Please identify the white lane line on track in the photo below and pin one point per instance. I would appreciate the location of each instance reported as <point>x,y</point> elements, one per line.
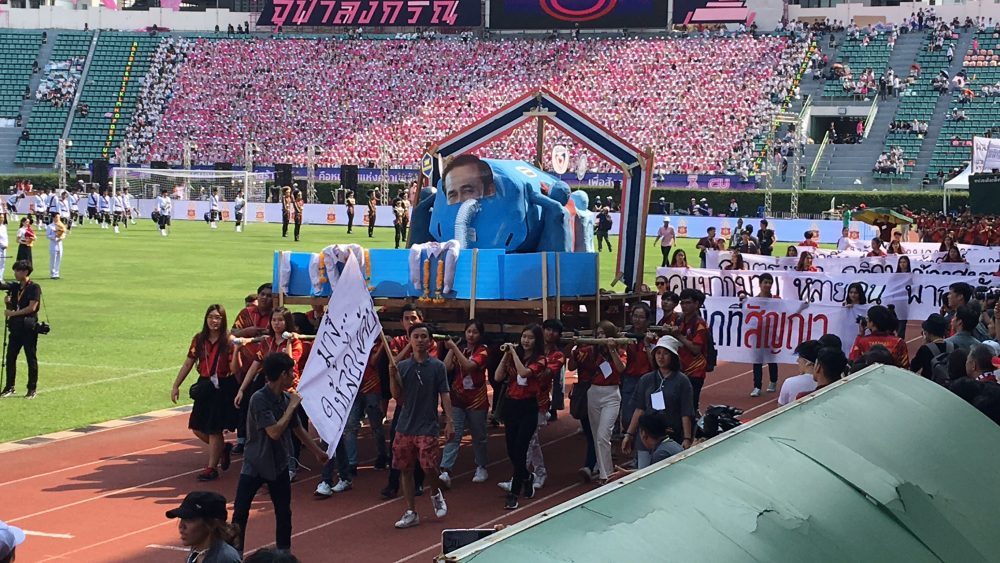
<point>493,521</point>
<point>45,391</point>
<point>48,535</point>
<point>170,547</point>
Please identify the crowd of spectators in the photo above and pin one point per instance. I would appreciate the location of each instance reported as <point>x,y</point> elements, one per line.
<point>156,93</point>
<point>915,127</point>
<point>684,98</point>
<point>893,161</point>
<point>61,79</point>
<point>964,228</point>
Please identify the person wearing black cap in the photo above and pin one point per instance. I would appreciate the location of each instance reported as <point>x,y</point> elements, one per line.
<point>934,329</point>
<point>204,529</point>
<point>803,383</point>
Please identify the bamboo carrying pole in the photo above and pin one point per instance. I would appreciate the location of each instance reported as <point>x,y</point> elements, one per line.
<point>475,276</point>
<point>545,286</point>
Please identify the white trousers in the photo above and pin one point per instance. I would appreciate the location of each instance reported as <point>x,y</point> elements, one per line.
<point>603,403</point>
<point>55,257</point>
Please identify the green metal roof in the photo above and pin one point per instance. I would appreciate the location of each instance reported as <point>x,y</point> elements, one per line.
<point>884,467</point>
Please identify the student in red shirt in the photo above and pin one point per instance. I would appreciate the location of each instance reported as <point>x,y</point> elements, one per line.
<point>521,366</point>
<point>252,321</point>
<point>604,396</point>
<point>692,332</point>
<point>876,248</point>
<point>551,381</point>
<point>213,412</point>
<point>809,240</point>
<point>668,303</point>
<point>638,355</point>
<point>882,323</point>
<point>805,263</point>
<point>469,402</point>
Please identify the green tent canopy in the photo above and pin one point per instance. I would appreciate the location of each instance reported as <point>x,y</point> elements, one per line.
<point>884,466</point>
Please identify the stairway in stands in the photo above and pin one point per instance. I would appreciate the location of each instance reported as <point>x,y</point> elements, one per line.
<point>46,122</point>
<point>112,85</point>
<point>849,166</point>
<point>18,51</point>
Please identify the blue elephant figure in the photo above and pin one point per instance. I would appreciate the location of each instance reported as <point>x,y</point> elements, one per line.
<point>487,203</point>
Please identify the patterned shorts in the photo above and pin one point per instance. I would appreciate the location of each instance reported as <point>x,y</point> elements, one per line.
<point>407,450</point>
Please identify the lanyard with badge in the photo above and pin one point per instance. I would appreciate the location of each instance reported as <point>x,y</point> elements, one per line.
<point>656,399</point>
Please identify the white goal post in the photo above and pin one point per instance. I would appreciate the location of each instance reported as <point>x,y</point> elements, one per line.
<point>192,185</point>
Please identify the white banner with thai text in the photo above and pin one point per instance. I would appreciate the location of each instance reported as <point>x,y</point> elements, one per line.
<point>868,264</point>
<point>914,296</point>
<point>332,374</point>
<point>760,330</point>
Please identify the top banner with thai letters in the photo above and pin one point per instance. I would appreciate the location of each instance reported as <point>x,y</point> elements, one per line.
<point>985,154</point>
<point>585,14</point>
<point>376,13</point>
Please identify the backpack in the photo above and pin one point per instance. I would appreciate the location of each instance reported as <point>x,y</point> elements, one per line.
<point>711,353</point>
<point>939,364</point>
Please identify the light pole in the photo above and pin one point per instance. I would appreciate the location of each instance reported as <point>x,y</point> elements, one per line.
<point>189,148</point>
<point>61,163</point>
<point>312,152</point>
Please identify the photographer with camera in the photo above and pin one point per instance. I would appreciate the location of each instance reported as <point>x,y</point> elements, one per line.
<point>880,329</point>
<point>23,299</point>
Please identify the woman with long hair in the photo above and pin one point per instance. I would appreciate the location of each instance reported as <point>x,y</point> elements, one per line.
<point>214,411</point>
<point>282,321</point>
<point>954,256</point>
<point>469,402</point>
<point>737,263</point>
<point>607,362</point>
<point>903,265</point>
<point>805,263</point>
<point>947,243</point>
<point>25,239</point>
<point>680,259</point>
<point>203,528</point>
<point>855,295</point>
<point>792,252</point>
<point>523,366</point>
<point>895,247</point>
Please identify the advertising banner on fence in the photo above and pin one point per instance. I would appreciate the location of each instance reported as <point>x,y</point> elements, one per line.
<point>375,13</point>
<point>566,14</point>
<point>914,296</point>
<point>332,374</point>
<point>760,330</point>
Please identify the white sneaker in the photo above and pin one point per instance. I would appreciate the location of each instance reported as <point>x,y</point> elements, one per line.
<point>409,520</point>
<point>771,387</point>
<point>505,485</point>
<point>755,392</point>
<point>116,229</point>
<point>343,485</point>
<point>214,226</point>
<point>163,232</point>
<point>239,229</point>
<point>324,489</point>
<point>445,479</point>
<point>481,475</point>
<point>440,507</point>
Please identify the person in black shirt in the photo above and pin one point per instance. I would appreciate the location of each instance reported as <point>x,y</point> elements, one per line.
<point>22,317</point>
<point>765,238</point>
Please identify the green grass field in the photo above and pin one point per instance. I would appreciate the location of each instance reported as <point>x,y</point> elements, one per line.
<point>127,306</point>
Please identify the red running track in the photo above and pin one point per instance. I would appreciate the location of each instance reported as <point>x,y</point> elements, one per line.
<point>102,497</point>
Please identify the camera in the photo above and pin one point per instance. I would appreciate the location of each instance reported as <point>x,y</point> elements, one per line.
<point>861,320</point>
<point>42,328</point>
<point>984,293</point>
<point>9,286</point>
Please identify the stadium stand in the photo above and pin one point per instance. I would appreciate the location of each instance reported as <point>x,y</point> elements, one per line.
<point>18,53</point>
<point>116,73</point>
<point>975,95</point>
<point>353,97</point>
<point>47,121</point>
<point>861,59</point>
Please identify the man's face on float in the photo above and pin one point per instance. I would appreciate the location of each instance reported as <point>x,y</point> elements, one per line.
<point>464,183</point>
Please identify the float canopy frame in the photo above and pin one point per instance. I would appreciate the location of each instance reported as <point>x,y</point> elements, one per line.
<point>635,164</point>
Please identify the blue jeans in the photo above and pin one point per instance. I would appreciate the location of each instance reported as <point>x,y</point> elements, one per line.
<point>369,404</point>
<point>475,421</point>
<point>280,491</point>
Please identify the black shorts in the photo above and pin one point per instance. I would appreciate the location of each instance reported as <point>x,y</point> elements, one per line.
<point>91,213</point>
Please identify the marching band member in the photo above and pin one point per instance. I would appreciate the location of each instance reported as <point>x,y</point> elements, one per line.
<point>118,211</point>
<point>297,206</point>
<point>37,208</point>
<point>239,204</point>
<point>287,210</point>
<point>163,209</point>
<point>214,209</point>
<point>4,217</point>
<point>104,209</point>
<point>52,205</point>
<point>56,232</point>
<point>349,202</point>
<point>25,239</point>
<point>92,201</point>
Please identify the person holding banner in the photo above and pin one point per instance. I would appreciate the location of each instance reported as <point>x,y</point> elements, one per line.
<point>792,252</point>
<point>469,402</point>
<point>680,259</point>
<point>766,282</point>
<point>213,412</point>
<point>882,327</point>
<point>707,243</point>
<point>954,256</point>
<point>808,236</point>
<point>638,362</point>
<point>418,383</point>
<point>876,250</point>
<point>805,263</point>
<point>271,424</point>
<point>844,242</point>
<point>663,390</point>
<point>692,332</point>
<point>736,262</point>
<point>855,295</point>
<point>522,366</point>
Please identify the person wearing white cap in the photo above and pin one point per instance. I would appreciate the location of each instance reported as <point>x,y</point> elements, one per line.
<point>10,538</point>
<point>665,236</point>
<point>667,390</point>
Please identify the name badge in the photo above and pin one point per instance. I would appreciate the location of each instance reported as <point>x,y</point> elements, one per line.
<point>522,381</point>
<point>467,383</point>
<point>658,403</point>
<point>605,369</point>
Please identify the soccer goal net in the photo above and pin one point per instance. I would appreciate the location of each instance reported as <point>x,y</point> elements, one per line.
<point>192,185</point>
